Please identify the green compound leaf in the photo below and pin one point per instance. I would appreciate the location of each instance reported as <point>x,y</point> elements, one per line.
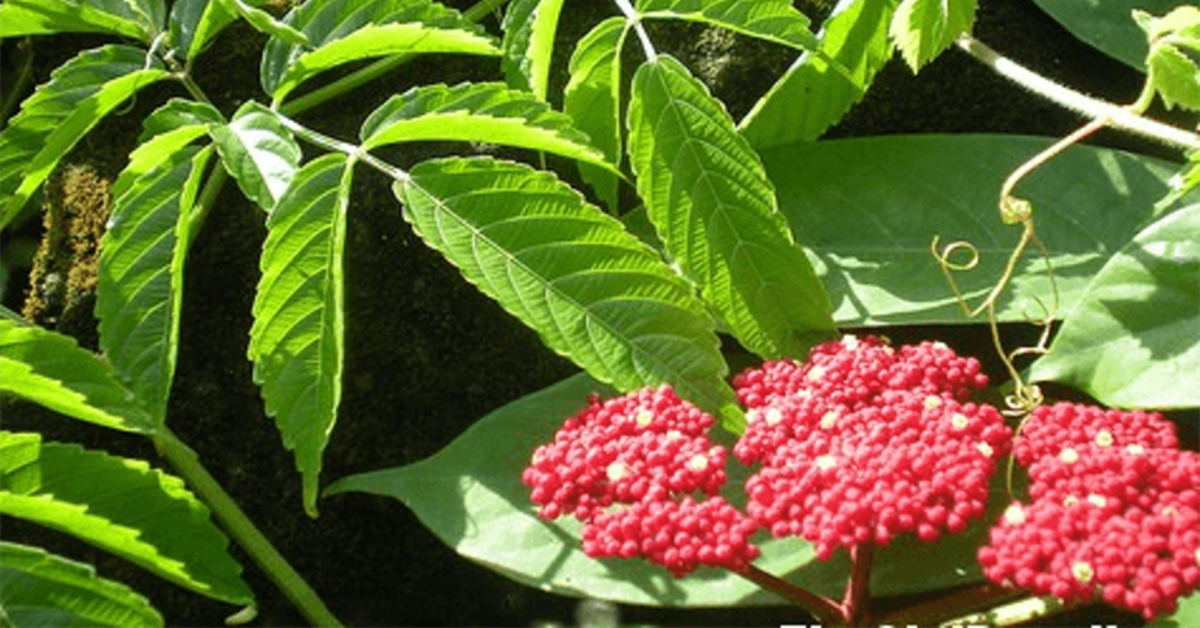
<point>1107,25</point>
<point>1131,339</point>
<point>592,97</point>
<point>259,153</point>
<point>46,17</point>
<point>50,369</point>
<point>122,506</point>
<point>194,23</point>
<point>529,28</point>
<point>870,233</point>
<point>1174,43</point>
<point>478,112</point>
<point>80,92</point>
<point>710,200</point>
<point>42,589</point>
<point>471,496</point>
<point>297,341</point>
<point>772,20</point>
<point>814,95</point>
<point>593,292</point>
<point>141,263</point>
<point>922,29</point>
<point>342,31</point>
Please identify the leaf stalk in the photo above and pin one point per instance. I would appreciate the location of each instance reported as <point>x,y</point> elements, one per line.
<point>635,20</point>
<point>321,95</point>
<point>243,530</point>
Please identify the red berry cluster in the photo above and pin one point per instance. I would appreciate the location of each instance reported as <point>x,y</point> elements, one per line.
<point>647,449</point>
<point>1051,429</point>
<point>854,370</point>
<point>678,535</point>
<point>863,442</point>
<point>1115,511</point>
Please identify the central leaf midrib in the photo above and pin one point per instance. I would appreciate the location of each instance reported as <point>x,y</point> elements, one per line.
<point>721,205</point>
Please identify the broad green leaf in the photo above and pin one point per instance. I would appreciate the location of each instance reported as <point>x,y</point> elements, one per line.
<point>42,589</point>
<point>47,17</point>
<point>177,113</point>
<point>572,273</point>
<point>297,342</point>
<point>869,208</point>
<point>773,20</point>
<point>264,22</point>
<point>1174,37</point>
<point>922,29</point>
<point>122,506</point>
<point>259,153</point>
<point>592,99</point>
<point>529,28</point>
<point>1131,340</point>
<point>710,200</point>
<point>50,369</point>
<point>79,93</point>
<point>194,23</point>
<point>870,232</point>
<point>141,263</point>
<point>1107,25</point>
<point>477,112</point>
<point>1187,615</point>
<point>471,496</point>
<point>352,30</point>
<point>814,95</point>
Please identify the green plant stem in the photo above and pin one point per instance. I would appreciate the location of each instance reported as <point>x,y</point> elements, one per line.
<point>1040,159</point>
<point>207,198</point>
<point>351,150</point>
<point>18,87</point>
<point>1118,117</point>
<point>1019,612</point>
<point>635,20</point>
<point>369,73</point>
<point>239,526</point>
<point>824,609</point>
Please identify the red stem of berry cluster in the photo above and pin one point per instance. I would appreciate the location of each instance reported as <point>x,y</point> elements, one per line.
<point>824,609</point>
<point>853,609</point>
<point>854,604</point>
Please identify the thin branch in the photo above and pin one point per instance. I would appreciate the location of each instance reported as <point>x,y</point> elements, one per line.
<point>1118,117</point>
<point>826,611</point>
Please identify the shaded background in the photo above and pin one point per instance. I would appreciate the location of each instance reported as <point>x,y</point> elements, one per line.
<point>426,354</point>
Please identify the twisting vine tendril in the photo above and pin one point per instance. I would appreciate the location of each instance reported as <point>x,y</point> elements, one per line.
<point>962,256</point>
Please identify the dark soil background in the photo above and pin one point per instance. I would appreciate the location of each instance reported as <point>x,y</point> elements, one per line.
<point>426,353</point>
